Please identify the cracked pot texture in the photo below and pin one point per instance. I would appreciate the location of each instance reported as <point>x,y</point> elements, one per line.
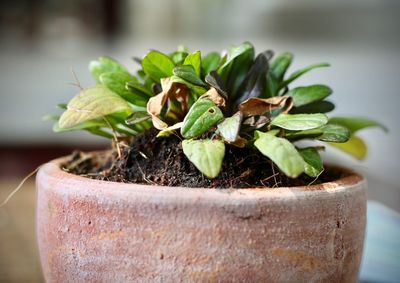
<point>98,231</point>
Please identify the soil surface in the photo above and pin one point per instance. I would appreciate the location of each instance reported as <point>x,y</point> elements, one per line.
<point>161,161</point>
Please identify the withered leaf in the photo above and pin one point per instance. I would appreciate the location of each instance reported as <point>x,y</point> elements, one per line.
<point>259,106</point>
<point>154,107</point>
<point>156,103</point>
<point>240,142</point>
<point>214,80</point>
<point>256,122</point>
<point>214,96</point>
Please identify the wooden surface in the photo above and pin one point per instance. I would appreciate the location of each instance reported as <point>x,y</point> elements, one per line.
<point>19,260</point>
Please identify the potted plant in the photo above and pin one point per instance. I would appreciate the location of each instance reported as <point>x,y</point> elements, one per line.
<point>208,178</point>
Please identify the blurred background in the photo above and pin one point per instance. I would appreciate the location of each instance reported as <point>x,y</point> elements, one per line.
<point>42,40</point>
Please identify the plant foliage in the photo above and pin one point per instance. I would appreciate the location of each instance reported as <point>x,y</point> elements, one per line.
<point>236,98</point>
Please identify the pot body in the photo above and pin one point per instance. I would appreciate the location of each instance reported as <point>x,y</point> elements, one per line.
<point>97,231</point>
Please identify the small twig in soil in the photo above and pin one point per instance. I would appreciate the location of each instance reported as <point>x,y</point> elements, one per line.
<point>75,164</point>
<point>243,159</point>
<point>178,136</point>
<point>277,185</point>
<point>274,174</point>
<point>269,177</point>
<point>144,175</point>
<point>167,162</point>
<point>316,178</point>
<point>143,155</point>
<point>115,136</point>
<point>243,175</point>
<point>92,174</point>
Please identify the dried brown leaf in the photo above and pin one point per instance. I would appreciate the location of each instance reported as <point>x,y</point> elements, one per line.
<point>214,96</point>
<point>170,90</point>
<point>258,122</point>
<point>240,142</point>
<point>154,107</point>
<point>259,106</point>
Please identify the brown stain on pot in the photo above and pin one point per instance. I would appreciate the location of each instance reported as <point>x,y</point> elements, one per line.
<point>52,209</point>
<point>108,236</point>
<point>300,260</point>
<point>96,231</point>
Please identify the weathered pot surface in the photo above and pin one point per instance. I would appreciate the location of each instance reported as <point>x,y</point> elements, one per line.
<point>97,231</point>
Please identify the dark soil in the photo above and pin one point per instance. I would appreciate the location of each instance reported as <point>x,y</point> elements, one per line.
<point>160,161</point>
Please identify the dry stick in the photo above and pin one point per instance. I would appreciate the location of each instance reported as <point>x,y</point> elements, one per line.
<point>269,177</point>
<point>316,178</point>
<point>77,83</point>
<point>174,133</point>
<point>144,175</point>
<point>77,162</point>
<point>114,135</point>
<point>274,174</point>
<point>19,186</point>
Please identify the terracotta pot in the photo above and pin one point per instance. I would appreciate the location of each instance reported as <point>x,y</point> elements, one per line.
<point>97,231</point>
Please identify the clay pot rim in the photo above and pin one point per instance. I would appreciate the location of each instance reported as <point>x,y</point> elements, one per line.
<point>89,186</point>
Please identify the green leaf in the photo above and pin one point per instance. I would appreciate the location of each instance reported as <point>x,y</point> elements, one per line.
<point>313,166</point>
<point>281,152</point>
<point>198,90</point>
<point>254,83</point>
<point>117,82</point>
<point>201,117</point>
<point>301,72</point>
<point>100,132</point>
<point>91,103</point>
<point>272,85</point>
<point>207,155</point>
<point>355,124</point>
<point>314,107</point>
<point>234,52</point>
<point>178,57</point>
<point>62,106</point>
<point>328,133</point>
<point>280,65</point>
<point>229,127</point>
<point>296,122</point>
<point>308,94</point>
<point>273,132</point>
<point>137,117</point>
<point>92,126</point>
<point>182,48</point>
<point>157,65</point>
<point>215,81</point>
<point>50,118</point>
<point>334,133</point>
<point>188,73</point>
<point>194,60</point>
<point>306,134</point>
<point>169,130</point>
<point>95,123</point>
<point>355,146</point>
<point>123,129</point>
<point>210,62</point>
<point>139,90</point>
<point>105,65</point>
<point>236,66</point>
<point>118,121</point>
